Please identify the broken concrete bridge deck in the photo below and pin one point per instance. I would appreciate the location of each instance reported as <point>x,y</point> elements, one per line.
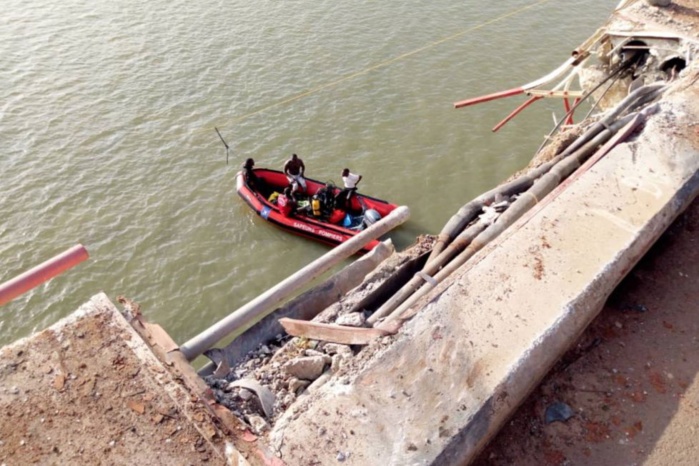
<point>485,338</point>
<point>90,388</point>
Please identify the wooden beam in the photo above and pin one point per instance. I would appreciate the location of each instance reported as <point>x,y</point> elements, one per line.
<point>331,332</point>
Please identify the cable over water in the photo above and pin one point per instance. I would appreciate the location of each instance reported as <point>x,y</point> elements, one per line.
<point>385,63</point>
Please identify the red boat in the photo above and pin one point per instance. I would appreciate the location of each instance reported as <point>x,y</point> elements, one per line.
<point>339,221</point>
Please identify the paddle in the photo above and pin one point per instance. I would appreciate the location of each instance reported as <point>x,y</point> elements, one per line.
<point>224,143</point>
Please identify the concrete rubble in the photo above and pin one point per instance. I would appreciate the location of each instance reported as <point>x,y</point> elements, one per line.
<point>90,390</point>
<point>484,339</point>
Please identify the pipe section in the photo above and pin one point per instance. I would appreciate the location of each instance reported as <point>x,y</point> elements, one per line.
<point>259,307</point>
<point>42,273</point>
<point>416,289</point>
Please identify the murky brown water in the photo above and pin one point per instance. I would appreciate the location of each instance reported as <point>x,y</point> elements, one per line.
<point>107,115</point>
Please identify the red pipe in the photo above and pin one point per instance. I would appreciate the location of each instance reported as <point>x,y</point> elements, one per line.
<point>569,121</point>
<point>516,111</point>
<point>489,97</point>
<point>42,273</point>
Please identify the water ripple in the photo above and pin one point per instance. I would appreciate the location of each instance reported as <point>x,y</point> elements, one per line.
<point>107,119</point>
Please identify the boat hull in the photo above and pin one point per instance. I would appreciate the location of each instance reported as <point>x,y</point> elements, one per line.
<point>256,197</point>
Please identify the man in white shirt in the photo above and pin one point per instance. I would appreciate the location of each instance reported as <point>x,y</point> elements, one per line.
<point>350,179</point>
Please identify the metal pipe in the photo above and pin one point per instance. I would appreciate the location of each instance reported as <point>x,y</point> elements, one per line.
<point>305,306</point>
<point>631,101</point>
<point>519,90</point>
<point>549,137</point>
<point>516,112</point>
<point>538,191</point>
<point>42,273</point>
<point>467,212</point>
<point>489,97</point>
<point>565,84</point>
<point>571,110</point>
<point>256,309</point>
<point>571,62</point>
<point>550,93</point>
<point>425,275</point>
<point>459,220</point>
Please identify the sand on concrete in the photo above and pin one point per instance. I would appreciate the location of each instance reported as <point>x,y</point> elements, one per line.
<point>88,391</point>
<point>631,379</point>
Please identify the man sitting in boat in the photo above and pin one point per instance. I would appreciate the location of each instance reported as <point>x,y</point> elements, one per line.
<point>250,176</point>
<point>286,202</point>
<point>293,169</point>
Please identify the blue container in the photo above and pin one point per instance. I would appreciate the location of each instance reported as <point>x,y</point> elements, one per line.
<point>347,221</point>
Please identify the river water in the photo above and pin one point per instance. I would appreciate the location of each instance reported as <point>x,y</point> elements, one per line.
<point>108,109</point>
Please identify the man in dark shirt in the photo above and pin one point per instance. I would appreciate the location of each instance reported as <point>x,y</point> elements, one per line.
<point>293,169</point>
<point>250,176</point>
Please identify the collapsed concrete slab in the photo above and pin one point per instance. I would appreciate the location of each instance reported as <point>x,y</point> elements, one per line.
<point>89,390</point>
<point>485,337</point>
<point>433,394</point>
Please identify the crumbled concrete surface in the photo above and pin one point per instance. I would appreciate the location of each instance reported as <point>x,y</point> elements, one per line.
<point>631,379</point>
<point>679,17</point>
<point>292,368</point>
<point>442,387</point>
<point>88,391</point>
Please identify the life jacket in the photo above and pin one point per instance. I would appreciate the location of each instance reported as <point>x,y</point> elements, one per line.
<point>337,216</point>
<point>286,206</point>
<point>316,206</point>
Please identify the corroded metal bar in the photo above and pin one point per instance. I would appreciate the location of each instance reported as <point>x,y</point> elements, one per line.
<point>42,273</point>
<point>489,97</point>
<point>516,112</point>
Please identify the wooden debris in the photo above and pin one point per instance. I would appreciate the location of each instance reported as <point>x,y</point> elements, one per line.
<point>160,337</point>
<point>331,332</point>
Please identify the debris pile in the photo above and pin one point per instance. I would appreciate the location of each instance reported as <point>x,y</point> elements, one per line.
<point>279,372</point>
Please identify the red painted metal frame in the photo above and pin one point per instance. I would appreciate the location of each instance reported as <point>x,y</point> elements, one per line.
<point>42,273</point>
<point>569,121</point>
<point>489,97</point>
<point>516,111</point>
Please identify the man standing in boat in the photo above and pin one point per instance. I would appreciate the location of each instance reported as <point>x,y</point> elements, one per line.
<point>293,169</point>
<point>350,181</point>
